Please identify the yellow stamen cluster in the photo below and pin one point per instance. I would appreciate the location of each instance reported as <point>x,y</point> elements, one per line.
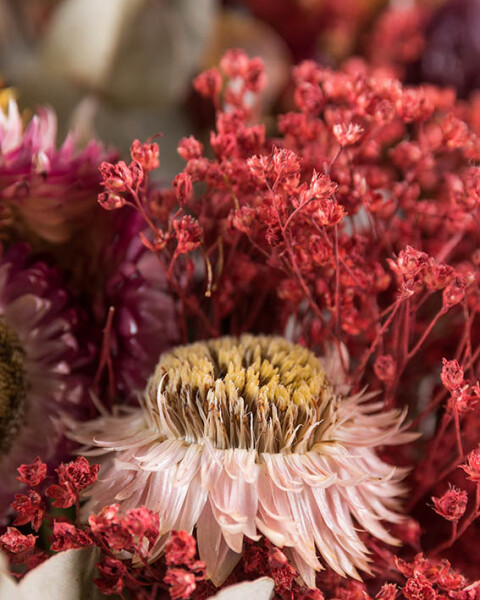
<point>253,392</point>
<point>13,386</point>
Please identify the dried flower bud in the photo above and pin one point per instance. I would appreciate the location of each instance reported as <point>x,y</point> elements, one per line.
<point>181,548</point>
<point>347,135</point>
<point>455,132</point>
<point>190,148</point>
<point>385,368</point>
<point>15,542</point>
<point>182,184</point>
<point>34,473</point>
<point>147,155</point>
<point>388,591</point>
<point>454,293</point>
<point>116,178</point>
<point>208,83</point>
<point>451,375</point>
<point>452,504</point>
<point>473,465</point>
<point>111,201</point>
<point>182,583</point>
<point>309,98</point>
<point>189,234</point>
<point>29,508</point>
<point>419,588</point>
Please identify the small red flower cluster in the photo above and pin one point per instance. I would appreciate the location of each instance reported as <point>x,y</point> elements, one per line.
<point>184,572</point>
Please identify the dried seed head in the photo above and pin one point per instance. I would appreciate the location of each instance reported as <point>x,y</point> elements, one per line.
<point>261,393</point>
<point>13,385</point>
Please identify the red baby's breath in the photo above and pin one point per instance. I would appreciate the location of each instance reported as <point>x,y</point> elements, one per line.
<point>66,536</point>
<point>452,504</point>
<point>472,468</point>
<point>79,473</point>
<point>181,583</point>
<point>29,508</point>
<point>181,548</point>
<point>63,495</point>
<point>34,473</point>
<point>15,542</point>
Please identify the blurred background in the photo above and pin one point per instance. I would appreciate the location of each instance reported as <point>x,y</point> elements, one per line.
<point>122,69</point>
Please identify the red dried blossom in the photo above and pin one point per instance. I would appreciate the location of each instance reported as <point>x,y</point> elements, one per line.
<point>388,591</point>
<point>455,132</point>
<point>454,293</point>
<point>189,234</point>
<point>78,472</point>
<point>111,201</point>
<point>63,495</point>
<point>109,526</point>
<point>66,536</point>
<point>30,509</point>
<point>182,184</point>
<point>181,582</point>
<point>34,473</point>
<point>190,148</point>
<point>452,375</point>
<point>208,83</point>
<point>309,98</point>
<point>452,504</point>
<point>347,135</point>
<point>308,594</point>
<point>147,155</point>
<point>112,575</point>
<point>142,524</point>
<point>116,177</point>
<point>419,588</point>
<point>181,548</point>
<point>472,468</point>
<point>385,368</point>
<point>15,542</point>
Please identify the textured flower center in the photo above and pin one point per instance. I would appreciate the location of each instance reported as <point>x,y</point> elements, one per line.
<point>13,386</point>
<point>251,392</point>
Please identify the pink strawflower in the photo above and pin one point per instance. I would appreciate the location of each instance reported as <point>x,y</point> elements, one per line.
<point>38,354</point>
<point>47,193</point>
<point>239,437</point>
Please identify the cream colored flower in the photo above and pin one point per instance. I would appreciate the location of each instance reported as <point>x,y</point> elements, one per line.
<point>246,437</point>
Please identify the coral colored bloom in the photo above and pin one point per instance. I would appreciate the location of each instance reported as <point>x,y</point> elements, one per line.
<point>246,436</point>
<point>38,352</point>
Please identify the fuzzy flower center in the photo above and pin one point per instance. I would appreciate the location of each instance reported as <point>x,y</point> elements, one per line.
<point>13,385</point>
<point>252,392</point>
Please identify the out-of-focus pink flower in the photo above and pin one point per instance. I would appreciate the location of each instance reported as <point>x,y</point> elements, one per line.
<point>38,352</point>
<point>144,322</point>
<point>238,436</point>
<point>47,193</point>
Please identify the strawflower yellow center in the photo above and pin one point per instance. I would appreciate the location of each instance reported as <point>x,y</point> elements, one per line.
<point>252,392</point>
<point>13,386</point>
